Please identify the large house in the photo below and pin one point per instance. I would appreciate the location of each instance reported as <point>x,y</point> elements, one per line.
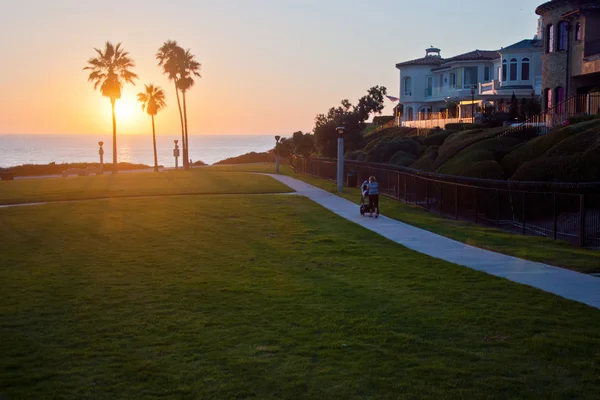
<point>571,59</point>
<point>429,85</point>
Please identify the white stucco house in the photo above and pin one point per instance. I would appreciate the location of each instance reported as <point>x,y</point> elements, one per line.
<point>430,84</point>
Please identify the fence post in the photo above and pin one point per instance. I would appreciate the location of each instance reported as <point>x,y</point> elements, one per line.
<point>589,104</point>
<point>476,207</point>
<point>523,204</point>
<point>398,178</point>
<point>405,189</point>
<point>441,198</point>
<point>455,201</point>
<point>497,207</point>
<point>555,216</point>
<point>581,220</point>
<point>426,194</point>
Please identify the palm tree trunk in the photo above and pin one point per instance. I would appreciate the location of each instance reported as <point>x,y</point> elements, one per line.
<point>183,144</point>
<point>186,154</point>
<point>114,123</point>
<point>154,145</point>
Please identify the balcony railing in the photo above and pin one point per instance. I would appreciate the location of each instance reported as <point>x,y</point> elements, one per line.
<point>428,92</point>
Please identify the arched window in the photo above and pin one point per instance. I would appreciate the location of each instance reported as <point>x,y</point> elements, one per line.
<point>525,69</point>
<point>504,70</point>
<point>513,69</point>
<point>563,36</point>
<point>408,86</point>
<point>578,32</point>
<point>409,113</point>
<point>548,99</point>
<point>550,39</point>
<point>560,97</point>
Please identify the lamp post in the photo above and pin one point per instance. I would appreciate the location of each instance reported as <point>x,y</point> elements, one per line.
<point>277,153</point>
<point>101,152</point>
<point>340,159</point>
<point>473,104</point>
<point>176,153</point>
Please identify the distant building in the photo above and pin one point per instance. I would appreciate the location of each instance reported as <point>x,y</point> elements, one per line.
<point>571,57</point>
<point>429,85</point>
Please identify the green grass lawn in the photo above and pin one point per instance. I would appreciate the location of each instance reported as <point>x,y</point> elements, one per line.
<point>197,181</point>
<point>267,297</point>
<point>532,248</point>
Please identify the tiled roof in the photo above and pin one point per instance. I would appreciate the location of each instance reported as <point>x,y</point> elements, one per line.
<point>524,44</point>
<point>475,55</point>
<point>429,60</point>
<point>585,4</point>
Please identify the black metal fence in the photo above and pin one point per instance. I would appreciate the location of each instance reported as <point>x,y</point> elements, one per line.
<point>562,211</point>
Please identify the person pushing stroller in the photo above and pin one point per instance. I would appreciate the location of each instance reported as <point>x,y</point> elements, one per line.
<point>373,192</point>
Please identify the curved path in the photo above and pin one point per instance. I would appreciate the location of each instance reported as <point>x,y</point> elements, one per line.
<point>565,283</point>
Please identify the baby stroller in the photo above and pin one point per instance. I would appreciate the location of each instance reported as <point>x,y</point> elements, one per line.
<point>364,199</point>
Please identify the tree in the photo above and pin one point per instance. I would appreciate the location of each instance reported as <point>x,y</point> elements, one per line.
<point>169,56</point>
<point>153,100</point>
<point>303,144</point>
<point>351,117</point>
<point>110,70</point>
<point>188,69</point>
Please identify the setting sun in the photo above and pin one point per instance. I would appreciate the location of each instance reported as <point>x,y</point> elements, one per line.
<point>127,109</point>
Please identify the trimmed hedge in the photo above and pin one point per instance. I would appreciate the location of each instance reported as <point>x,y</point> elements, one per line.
<point>427,160</point>
<point>402,158</point>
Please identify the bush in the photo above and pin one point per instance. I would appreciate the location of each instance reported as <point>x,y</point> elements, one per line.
<point>402,158</point>
<point>249,158</point>
<point>572,168</point>
<point>56,169</point>
<point>535,148</point>
<point>436,139</point>
<point>488,169</point>
<point>457,142</point>
<point>382,119</point>
<point>465,163</point>
<point>383,150</point>
<point>426,161</point>
<point>354,155</point>
<point>583,118</point>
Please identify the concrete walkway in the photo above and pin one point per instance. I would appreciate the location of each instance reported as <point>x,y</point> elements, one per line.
<point>565,283</point>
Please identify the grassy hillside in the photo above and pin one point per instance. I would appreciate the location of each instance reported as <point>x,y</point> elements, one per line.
<point>566,154</point>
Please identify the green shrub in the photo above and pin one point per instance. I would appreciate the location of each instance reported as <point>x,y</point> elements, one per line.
<point>488,169</point>
<point>384,149</point>
<point>572,168</point>
<point>354,155</point>
<point>583,118</point>
<point>575,144</point>
<point>437,138</point>
<point>540,145</point>
<point>465,162</point>
<point>382,119</point>
<point>402,158</point>
<point>457,142</point>
<point>426,161</point>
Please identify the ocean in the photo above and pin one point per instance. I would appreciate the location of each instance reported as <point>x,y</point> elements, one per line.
<point>47,148</point>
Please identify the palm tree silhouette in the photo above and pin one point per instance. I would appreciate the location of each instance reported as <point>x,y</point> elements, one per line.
<point>111,70</point>
<point>168,57</point>
<point>188,68</point>
<point>153,100</point>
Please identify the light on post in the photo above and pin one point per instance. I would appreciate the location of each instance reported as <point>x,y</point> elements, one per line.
<point>101,153</point>
<point>277,153</point>
<point>176,153</point>
<point>340,161</point>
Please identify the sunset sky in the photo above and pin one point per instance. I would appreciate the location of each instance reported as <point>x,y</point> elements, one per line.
<point>268,66</point>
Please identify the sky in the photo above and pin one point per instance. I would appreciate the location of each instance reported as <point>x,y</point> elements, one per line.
<point>268,66</point>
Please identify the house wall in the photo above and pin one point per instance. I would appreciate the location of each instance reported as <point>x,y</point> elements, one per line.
<point>418,74</point>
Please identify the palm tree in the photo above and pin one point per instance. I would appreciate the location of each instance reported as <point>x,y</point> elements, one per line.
<point>153,100</point>
<point>110,70</point>
<point>188,68</point>
<point>168,57</point>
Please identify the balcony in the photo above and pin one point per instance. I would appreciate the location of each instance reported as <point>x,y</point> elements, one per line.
<point>592,48</point>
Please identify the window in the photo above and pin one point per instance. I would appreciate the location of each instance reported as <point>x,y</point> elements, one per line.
<point>563,36</point>
<point>408,86</point>
<point>525,69</point>
<point>453,80</point>
<point>513,69</point>
<point>429,88</point>
<point>550,39</point>
<point>504,70</point>
<point>578,32</point>
<point>470,77</point>
<point>441,80</point>
<point>486,74</point>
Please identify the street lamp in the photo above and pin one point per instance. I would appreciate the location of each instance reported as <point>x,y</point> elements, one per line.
<point>340,158</point>
<point>101,152</point>
<point>473,103</point>
<point>277,153</point>
<point>176,152</point>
